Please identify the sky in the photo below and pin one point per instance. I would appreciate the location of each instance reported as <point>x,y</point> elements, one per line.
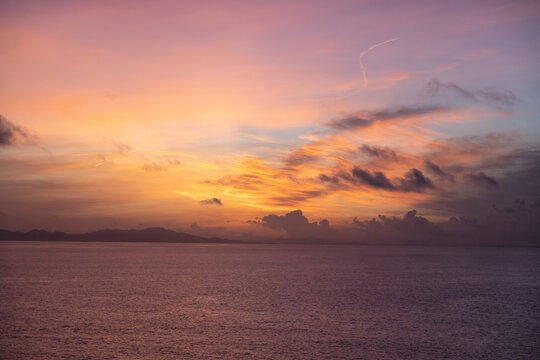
<point>224,118</point>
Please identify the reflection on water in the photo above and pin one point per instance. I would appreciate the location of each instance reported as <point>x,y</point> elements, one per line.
<point>169,301</point>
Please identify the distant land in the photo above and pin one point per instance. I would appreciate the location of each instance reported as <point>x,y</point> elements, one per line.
<point>162,235</point>
<point>154,234</point>
<point>145,235</point>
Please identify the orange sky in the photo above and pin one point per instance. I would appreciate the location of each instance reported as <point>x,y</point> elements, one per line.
<point>132,114</point>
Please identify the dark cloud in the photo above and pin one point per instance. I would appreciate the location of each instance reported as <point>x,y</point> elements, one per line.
<point>382,153</point>
<point>212,201</point>
<point>328,179</point>
<point>325,224</point>
<point>367,118</point>
<point>503,226</point>
<point>153,167</point>
<point>405,112</point>
<point>296,224</point>
<point>436,169</point>
<point>411,229</point>
<point>376,179</point>
<point>505,99</point>
<point>381,230</point>
<point>452,202</point>
<point>10,133</point>
<point>412,181</point>
<point>482,179</point>
<point>518,173</point>
<point>415,181</point>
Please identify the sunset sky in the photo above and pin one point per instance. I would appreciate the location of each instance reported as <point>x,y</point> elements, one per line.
<point>208,116</point>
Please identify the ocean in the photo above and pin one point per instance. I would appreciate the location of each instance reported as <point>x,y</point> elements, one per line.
<point>68,300</point>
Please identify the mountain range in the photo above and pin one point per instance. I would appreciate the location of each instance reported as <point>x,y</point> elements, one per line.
<point>155,234</point>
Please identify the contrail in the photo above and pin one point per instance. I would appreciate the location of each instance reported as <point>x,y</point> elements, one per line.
<point>365,52</point>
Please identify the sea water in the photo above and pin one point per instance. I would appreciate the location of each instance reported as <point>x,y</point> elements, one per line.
<point>188,301</point>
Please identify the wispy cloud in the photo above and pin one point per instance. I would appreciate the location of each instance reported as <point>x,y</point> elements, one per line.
<point>481,178</point>
<point>212,201</point>
<point>365,52</point>
<point>293,197</point>
<point>301,156</point>
<point>122,148</point>
<point>378,152</point>
<point>502,98</point>
<point>364,119</point>
<point>174,162</point>
<point>153,167</point>
<point>11,133</point>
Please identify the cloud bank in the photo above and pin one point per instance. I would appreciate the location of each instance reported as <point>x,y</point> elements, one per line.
<point>296,224</point>
<point>512,226</point>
